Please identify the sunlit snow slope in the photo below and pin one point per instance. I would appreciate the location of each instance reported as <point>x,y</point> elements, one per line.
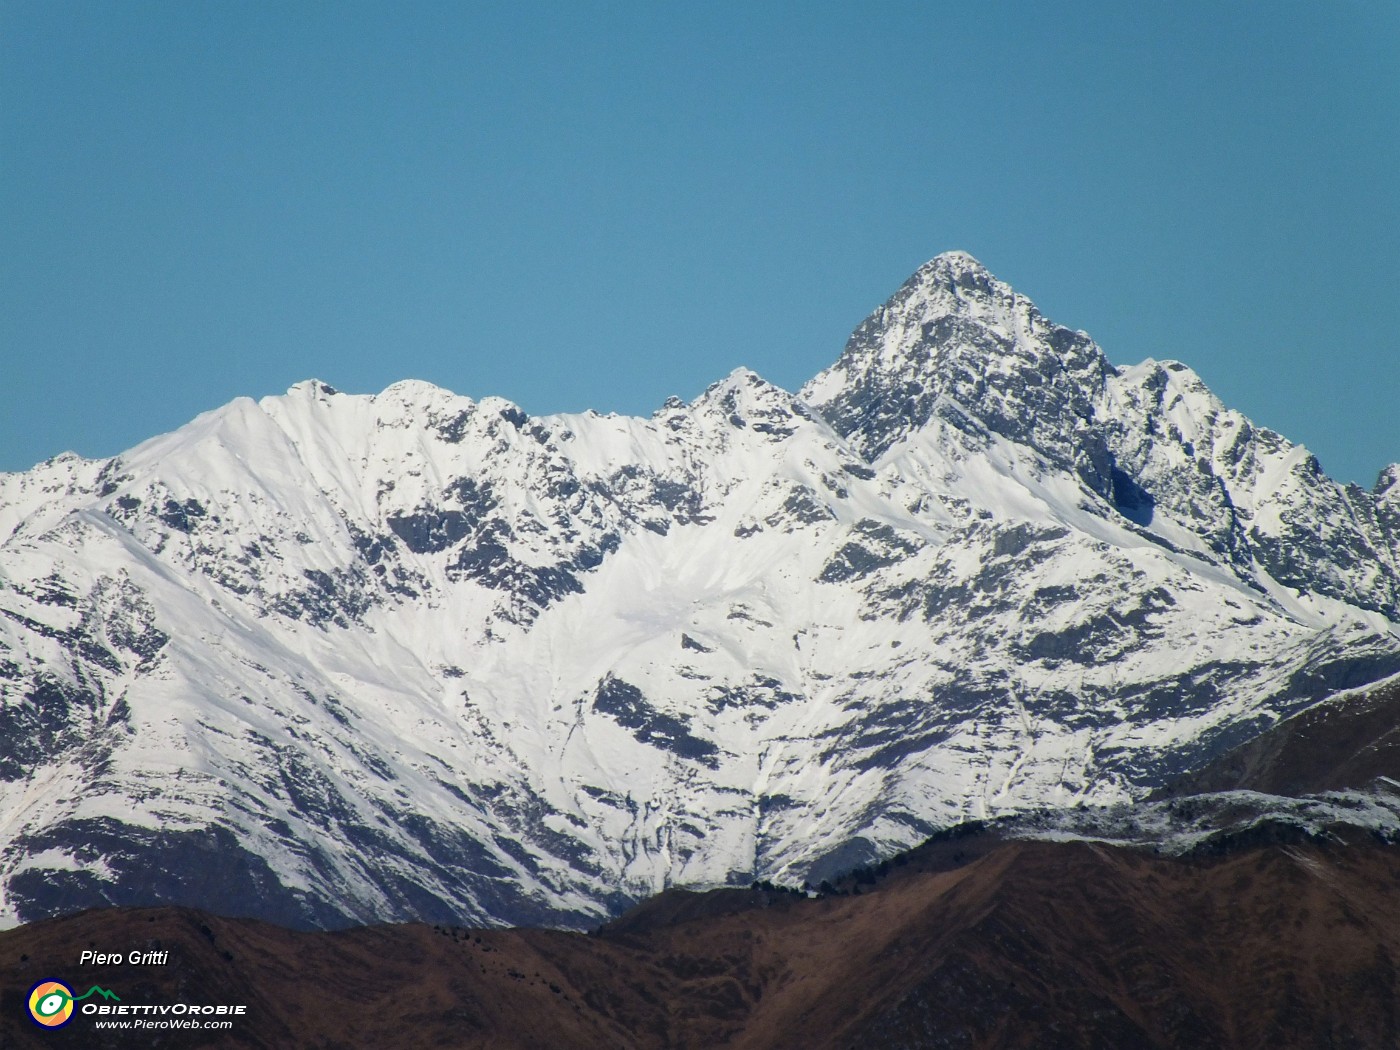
<point>328,658</point>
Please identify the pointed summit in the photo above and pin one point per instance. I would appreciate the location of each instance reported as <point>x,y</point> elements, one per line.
<point>949,264</point>
<point>954,342</point>
<point>950,267</point>
<point>744,398</point>
<point>746,384</point>
<point>956,257</point>
<point>954,281</point>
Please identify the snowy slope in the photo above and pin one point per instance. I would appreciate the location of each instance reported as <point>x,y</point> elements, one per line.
<point>328,658</point>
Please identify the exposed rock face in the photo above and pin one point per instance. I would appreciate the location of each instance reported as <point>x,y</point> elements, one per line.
<point>419,656</point>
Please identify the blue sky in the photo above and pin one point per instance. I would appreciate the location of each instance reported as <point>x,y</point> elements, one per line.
<point>597,205</point>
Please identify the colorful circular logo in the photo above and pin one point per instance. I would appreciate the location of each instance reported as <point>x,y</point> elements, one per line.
<point>51,1004</point>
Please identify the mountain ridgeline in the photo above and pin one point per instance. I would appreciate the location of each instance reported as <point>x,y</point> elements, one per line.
<point>325,659</point>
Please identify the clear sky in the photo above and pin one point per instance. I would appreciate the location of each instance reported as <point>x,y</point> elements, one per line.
<point>579,205</point>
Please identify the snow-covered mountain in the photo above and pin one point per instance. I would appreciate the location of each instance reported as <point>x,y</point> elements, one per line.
<point>327,658</point>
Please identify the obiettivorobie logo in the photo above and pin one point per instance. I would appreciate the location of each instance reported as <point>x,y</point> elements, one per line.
<point>51,1002</point>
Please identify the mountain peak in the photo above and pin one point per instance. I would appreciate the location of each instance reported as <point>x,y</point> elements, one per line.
<point>956,341</point>
<point>953,260</point>
<point>953,282</point>
<point>745,385</point>
<point>744,396</point>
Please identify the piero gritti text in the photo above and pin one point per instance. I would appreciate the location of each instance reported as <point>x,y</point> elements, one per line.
<point>132,958</point>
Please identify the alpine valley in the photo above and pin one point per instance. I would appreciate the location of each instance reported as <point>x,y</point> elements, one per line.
<point>328,659</point>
